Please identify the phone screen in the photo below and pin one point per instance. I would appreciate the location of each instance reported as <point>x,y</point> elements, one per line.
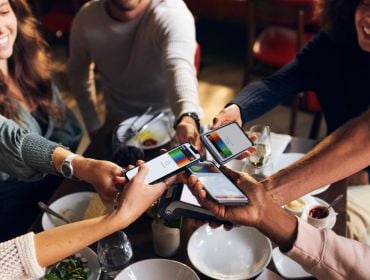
<point>227,141</point>
<point>167,163</point>
<point>217,184</point>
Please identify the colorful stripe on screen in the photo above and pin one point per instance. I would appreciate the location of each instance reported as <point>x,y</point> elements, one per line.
<point>220,145</point>
<point>179,157</point>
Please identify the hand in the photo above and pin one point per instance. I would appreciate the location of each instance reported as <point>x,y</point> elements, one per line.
<point>187,131</point>
<point>249,214</point>
<point>103,175</point>
<point>137,197</point>
<point>230,113</point>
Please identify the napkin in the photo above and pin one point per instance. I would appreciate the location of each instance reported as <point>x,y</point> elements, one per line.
<point>279,142</point>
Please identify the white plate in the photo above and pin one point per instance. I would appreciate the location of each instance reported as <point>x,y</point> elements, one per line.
<point>157,269</point>
<point>160,130</point>
<point>267,274</point>
<point>311,202</point>
<point>240,253</point>
<point>283,160</point>
<point>287,267</point>
<point>72,206</point>
<point>92,263</point>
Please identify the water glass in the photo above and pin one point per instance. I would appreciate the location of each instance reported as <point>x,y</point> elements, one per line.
<point>263,145</point>
<point>114,253</point>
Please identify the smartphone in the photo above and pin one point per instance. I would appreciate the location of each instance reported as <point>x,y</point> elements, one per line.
<point>217,185</point>
<point>226,142</point>
<point>168,164</point>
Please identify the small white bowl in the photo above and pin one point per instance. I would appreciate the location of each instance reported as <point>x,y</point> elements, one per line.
<point>240,253</point>
<point>321,222</point>
<point>157,269</point>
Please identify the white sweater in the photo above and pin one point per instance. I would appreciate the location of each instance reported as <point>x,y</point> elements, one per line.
<point>146,61</point>
<point>18,259</point>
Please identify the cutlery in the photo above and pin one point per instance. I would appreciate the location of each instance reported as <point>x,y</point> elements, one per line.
<point>132,130</point>
<point>48,210</point>
<point>150,121</point>
<point>335,201</point>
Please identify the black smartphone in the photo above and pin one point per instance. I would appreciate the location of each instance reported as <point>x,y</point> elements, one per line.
<point>168,164</point>
<point>217,185</point>
<point>226,142</point>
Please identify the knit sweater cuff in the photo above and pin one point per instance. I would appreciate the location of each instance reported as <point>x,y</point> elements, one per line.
<point>27,252</point>
<point>37,153</point>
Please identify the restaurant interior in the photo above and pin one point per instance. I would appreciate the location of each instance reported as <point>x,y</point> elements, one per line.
<point>223,30</point>
<point>238,43</point>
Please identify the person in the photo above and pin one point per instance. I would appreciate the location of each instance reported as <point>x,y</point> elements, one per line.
<point>335,64</point>
<point>320,251</point>
<point>29,98</point>
<point>144,52</point>
<point>26,256</point>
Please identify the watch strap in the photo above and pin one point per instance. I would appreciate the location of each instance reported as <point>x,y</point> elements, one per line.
<point>192,115</point>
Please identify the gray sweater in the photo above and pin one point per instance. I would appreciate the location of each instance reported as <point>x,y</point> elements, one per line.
<point>26,148</point>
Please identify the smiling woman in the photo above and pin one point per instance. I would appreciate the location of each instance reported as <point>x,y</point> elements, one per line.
<point>29,98</point>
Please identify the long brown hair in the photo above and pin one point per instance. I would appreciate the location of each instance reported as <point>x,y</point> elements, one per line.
<point>338,18</point>
<point>29,67</point>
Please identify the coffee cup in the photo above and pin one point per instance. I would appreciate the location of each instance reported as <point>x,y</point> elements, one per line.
<point>318,216</point>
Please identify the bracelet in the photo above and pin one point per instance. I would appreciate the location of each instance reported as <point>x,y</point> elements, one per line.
<point>192,115</point>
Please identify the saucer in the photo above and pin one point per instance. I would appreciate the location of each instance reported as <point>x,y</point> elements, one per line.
<point>287,267</point>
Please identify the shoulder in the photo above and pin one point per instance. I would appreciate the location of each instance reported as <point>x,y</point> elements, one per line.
<point>89,12</point>
<point>170,8</point>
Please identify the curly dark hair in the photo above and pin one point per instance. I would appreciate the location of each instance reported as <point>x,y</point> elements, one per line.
<point>29,67</point>
<point>338,17</point>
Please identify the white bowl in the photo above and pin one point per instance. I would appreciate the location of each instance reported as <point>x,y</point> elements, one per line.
<point>92,263</point>
<point>240,253</point>
<point>72,206</point>
<point>157,269</point>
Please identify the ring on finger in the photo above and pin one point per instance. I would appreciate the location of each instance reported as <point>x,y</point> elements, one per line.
<point>116,198</point>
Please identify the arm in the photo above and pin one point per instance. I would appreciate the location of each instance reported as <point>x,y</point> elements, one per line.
<point>49,246</point>
<point>320,252</point>
<point>80,71</point>
<point>176,39</point>
<point>342,153</point>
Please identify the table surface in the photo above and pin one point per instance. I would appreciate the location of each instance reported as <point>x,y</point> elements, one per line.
<point>139,232</point>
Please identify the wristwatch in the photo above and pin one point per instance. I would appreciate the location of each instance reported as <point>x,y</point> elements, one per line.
<point>192,115</point>
<point>66,168</point>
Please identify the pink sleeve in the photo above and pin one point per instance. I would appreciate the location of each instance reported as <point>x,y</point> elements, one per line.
<point>329,256</point>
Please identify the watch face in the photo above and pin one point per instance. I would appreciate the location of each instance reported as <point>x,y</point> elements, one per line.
<point>66,170</point>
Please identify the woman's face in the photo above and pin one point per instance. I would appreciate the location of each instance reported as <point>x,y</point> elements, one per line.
<point>362,22</point>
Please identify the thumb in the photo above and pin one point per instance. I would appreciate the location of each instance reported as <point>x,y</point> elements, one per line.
<point>143,171</point>
<point>230,173</point>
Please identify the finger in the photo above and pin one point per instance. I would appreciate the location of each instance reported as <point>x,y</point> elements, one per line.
<point>120,180</point>
<point>162,151</point>
<point>230,173</point>
<point>139,162</point>
<point>214,224</point>
<point>253,137</point>
<point>143,171</point>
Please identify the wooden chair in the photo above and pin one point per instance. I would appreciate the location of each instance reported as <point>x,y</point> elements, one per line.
<point>285,25</point>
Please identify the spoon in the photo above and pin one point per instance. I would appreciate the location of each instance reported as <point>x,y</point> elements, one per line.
<point>335,201</point>
<point>48,210</point>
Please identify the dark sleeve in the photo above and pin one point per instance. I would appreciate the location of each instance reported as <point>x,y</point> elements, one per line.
<point>299,75</point>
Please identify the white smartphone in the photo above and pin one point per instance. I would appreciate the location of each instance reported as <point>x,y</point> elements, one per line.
<point>217,185</point>
<point>226,142</point>
<point>168,164</point>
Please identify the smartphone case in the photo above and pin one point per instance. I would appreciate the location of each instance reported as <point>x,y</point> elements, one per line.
<point>218,159</point>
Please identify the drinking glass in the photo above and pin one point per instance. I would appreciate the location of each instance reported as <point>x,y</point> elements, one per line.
<point>260,164</point>
<point>114,253</point>
<point>263,145</point>
<point>125,151</point>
